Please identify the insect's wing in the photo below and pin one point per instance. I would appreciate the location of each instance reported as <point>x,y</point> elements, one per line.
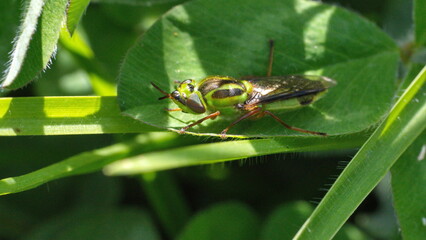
<point>304,87</point>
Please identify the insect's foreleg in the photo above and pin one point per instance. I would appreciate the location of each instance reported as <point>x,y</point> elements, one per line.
<point>291,127</point>
<point>247,115</point>
<point>213,115</point>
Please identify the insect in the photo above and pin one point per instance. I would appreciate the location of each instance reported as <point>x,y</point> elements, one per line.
<point>252,97</point>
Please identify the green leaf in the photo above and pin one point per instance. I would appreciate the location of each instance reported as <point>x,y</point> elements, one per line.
<point>84,55</point>
<point>227,151</point>
<point>223,221</point>
<point>409,194</point>
<point>420,22</point>
<point>64,116</point>
<point>203,38</point>
<point>35,43</point>
<point>167,201</point>
<point>403,125</point>
<point>128,223</point>
<point>137,2</point>
<point>286,220</point>
<point>75,11</point>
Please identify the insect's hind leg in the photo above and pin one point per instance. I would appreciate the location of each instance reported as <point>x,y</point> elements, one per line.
<point>251,113</point>
<point>291,127</point>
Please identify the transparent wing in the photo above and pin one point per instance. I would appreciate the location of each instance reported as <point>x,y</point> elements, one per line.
<point>278,88</point>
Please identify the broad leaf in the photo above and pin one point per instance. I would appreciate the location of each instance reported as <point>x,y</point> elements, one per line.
<point>284,222</point>
<point>203,38</point>
<point>128,223</point>
<point>223,221</point>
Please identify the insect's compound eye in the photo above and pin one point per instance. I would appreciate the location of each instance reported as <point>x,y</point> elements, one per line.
<point>187,81</point>
<point>175,95</point>
<point>190,87</point>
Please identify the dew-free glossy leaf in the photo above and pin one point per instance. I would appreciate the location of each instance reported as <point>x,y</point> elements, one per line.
<point>203,38</point>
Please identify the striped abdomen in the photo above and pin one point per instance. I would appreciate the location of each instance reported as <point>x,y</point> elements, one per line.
<point>224,92</point>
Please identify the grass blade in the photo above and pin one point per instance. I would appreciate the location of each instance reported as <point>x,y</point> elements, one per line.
<point>87,162</point>
<point>64,116</point>
<point>408,185</point>
<point>402,126</point>
<point>227,151</point>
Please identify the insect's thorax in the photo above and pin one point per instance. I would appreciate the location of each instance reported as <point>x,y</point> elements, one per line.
<point>224,93</point>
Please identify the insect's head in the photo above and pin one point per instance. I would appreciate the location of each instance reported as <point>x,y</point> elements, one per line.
<point>186,96</point>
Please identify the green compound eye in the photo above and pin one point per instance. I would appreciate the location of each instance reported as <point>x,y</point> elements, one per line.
<point>251,98</point>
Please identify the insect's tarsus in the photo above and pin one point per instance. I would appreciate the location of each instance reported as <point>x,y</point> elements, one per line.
<point>291,127</point>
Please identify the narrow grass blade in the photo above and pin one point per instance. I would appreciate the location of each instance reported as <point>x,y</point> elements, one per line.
<point>64,116</point>
<point>409,192</point>
<point>88,161</point>
<point>403,125</point>
<point>227,151</point>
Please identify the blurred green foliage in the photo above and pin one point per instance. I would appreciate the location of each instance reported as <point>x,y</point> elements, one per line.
<point>261,191</point>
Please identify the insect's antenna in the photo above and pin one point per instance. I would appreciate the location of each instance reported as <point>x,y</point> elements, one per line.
<point>166,95</point>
